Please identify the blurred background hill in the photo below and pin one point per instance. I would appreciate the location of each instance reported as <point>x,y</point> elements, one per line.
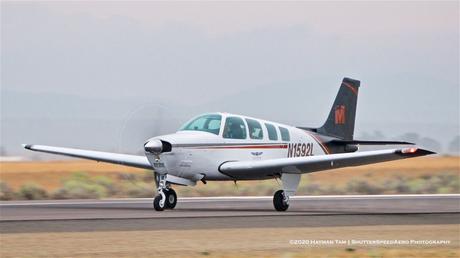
<point>108,76</point>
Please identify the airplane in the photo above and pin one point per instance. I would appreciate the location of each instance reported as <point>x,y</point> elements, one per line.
<point>229,147</point>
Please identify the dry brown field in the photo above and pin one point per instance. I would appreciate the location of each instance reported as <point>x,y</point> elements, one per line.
<point>51,173</point>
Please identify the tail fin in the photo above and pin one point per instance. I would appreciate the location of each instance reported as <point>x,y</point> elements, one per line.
<point>341,120</point>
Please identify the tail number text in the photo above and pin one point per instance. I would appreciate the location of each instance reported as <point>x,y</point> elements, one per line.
<point>300,149</point>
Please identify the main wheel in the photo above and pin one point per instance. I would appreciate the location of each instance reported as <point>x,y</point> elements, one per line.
<point>279,202</point>
<point>157,203</point>
<point>171,199</point>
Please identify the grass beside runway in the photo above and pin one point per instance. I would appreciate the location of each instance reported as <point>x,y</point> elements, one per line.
<point>87,179</point>
<point>238,242</point>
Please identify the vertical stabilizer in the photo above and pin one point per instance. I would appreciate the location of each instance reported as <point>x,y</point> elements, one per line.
<point>341,120</point>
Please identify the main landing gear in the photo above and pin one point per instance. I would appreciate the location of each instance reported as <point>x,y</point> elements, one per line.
<point>281,197</point>
<point>166,198</point>
<point>280,200</point>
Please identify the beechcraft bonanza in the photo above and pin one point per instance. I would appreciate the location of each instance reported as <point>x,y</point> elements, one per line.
<point>223,146</point>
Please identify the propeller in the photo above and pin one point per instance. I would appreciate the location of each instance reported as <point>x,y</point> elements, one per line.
<point>140,124</point>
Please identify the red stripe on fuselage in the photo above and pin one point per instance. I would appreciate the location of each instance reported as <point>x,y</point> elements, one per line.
<point>324,147</point>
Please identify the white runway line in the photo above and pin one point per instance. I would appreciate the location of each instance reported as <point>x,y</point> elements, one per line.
<point>224,198</point>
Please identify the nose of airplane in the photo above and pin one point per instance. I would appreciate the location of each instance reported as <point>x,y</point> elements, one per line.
<point>153,146</point>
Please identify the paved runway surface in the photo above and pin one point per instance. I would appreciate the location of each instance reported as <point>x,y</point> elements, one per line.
<point>227,212</point>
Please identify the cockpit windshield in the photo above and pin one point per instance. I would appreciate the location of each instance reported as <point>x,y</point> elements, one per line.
<point>207,123</point>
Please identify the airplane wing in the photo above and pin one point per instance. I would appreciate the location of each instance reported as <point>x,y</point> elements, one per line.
<point>300,165</point>
<point>115,158</point>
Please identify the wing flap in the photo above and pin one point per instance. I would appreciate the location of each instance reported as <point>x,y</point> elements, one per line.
<point>360,142</point>
<point>272,167</point>
<point>115,158</point>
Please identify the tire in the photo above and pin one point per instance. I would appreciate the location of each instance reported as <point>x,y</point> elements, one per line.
<point>278,201</point>
<point>171,199</point>
<point>156,203</point>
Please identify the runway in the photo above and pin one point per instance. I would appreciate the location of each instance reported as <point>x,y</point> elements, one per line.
<point>227,212</point>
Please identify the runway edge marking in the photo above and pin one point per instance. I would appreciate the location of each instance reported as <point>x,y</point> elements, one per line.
<point>222,198</point>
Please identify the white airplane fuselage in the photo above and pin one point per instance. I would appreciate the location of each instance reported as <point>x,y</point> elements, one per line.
<point>196,154</point>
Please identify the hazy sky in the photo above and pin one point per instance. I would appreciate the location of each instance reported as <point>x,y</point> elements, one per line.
<point>282,61</point>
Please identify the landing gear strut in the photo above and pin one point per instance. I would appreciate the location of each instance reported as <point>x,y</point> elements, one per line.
<point>281,200</point>
<point>290,184</point>
<point>166,198</point>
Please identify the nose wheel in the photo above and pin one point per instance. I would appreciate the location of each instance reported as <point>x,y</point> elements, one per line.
<point>280,201</point>
<point>166,198</point>
<point>158,203</point>
<point>169,201</point>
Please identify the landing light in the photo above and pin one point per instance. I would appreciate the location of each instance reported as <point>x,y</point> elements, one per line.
<point>410,150</point>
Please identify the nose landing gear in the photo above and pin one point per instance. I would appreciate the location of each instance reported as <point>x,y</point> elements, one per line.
<point>158,203</point>
<point>166,198</point>
<point>171,199</point>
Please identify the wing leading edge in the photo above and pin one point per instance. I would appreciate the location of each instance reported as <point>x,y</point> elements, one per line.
<point>250,169</point>
<point>115,158</point>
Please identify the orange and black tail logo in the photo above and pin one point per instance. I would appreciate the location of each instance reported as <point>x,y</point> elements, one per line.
<point>340,115</point>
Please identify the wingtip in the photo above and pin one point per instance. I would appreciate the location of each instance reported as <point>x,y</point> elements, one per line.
<point>427,152</point>
<point>27,146</point>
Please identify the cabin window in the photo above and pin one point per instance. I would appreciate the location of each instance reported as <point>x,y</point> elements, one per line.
<point>284,134</point>
<point>206,123</point>
<point>234,128</point>
<point>255,129</point>
<point>272,134</point>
